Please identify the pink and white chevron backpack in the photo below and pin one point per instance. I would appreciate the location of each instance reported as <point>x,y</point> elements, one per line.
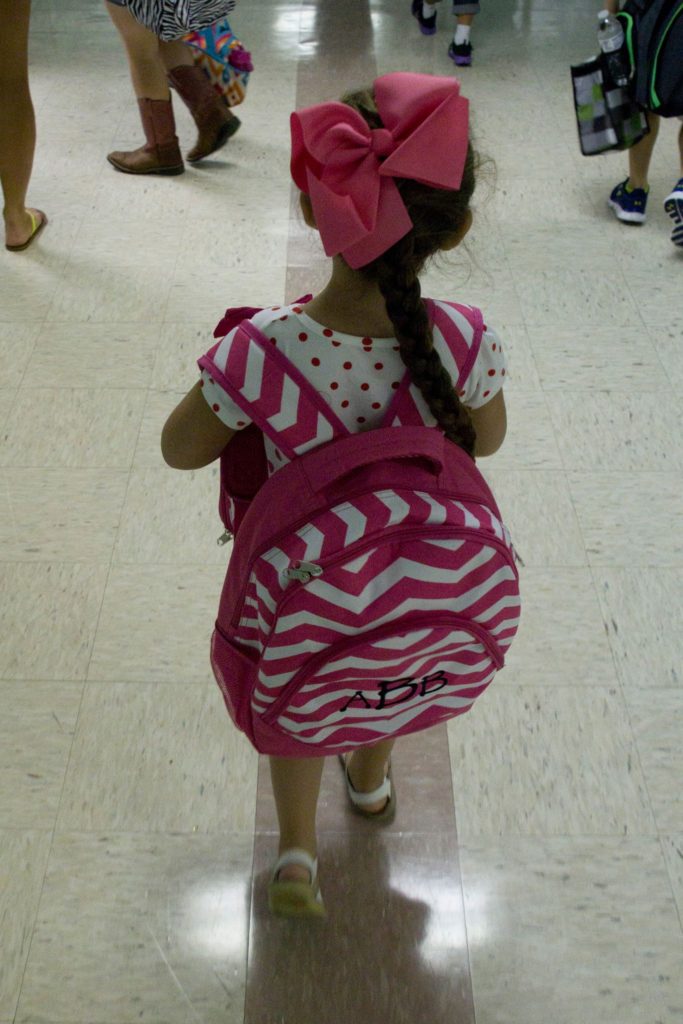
<point>372,589</point>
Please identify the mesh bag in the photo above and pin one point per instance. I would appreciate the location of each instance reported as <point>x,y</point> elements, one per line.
<point>606,116</point>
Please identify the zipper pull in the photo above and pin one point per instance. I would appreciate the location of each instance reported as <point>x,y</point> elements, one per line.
<point>303,572</point>
<point>224,538</point>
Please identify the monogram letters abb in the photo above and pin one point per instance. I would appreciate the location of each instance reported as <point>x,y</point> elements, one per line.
<point>389,688</point>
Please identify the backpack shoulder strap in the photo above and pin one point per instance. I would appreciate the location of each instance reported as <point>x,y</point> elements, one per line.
<point>273,392</point>
<point>462,328</point>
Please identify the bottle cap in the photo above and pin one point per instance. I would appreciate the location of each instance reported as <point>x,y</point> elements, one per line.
<point>603,14</point>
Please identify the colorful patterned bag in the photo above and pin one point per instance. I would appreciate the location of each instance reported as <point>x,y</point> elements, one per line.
<point>222,57</point>
<point>372,589</point>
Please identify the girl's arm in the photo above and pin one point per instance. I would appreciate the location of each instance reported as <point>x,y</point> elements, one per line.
<point>490,423</point>
<point>193,436</point>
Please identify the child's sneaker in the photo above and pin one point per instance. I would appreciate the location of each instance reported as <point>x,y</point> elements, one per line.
<point>427,25</point>
<point>461,53</point>
<point>673,204</point>
<point>629,205</point>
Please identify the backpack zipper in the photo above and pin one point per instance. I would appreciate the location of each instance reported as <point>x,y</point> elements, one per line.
<point>352,552</point>
<point>274,541</point>
<point>335,650</point>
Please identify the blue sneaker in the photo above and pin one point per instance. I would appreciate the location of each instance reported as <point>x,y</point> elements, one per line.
<point>427,25</point>
<point>673,204</point>
<point>629,206</point>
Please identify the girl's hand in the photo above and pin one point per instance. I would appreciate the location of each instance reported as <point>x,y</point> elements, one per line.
<point>193,436</point>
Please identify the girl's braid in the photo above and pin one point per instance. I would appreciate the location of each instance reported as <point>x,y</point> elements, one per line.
<point>397,277</point>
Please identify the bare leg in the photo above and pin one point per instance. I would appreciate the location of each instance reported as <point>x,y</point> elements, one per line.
<point>17,120</point>
<point>639,156</point>
<point>367,769</point>
<point>296,786</point>
<point>464,19</point>
<point>147,69</point>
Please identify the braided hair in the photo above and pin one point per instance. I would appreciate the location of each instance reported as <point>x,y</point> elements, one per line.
<point>437,214</point>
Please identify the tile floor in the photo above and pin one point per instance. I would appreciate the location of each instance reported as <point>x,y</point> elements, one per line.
<point>533,875</point>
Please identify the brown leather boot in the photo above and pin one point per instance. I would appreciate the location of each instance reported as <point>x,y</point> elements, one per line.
<point>161,153</point>
<point>211,114</point>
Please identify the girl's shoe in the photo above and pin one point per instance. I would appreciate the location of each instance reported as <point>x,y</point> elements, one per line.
<point>215,122</point>
<point>673,204</point>
<point>160,154</point>
<point>427,25</point>
<point>360,801</point>
<point>36,227</point>
<point>296,899</point>
<point>461,54</point>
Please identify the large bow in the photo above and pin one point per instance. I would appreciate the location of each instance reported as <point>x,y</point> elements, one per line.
<point>347,168</point>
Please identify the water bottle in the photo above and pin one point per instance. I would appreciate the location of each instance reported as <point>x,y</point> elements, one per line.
<point>611,41</point>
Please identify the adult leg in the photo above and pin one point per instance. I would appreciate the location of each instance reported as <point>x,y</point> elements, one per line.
<point>215,121</point>
<point>17,121</point>
<point>161,153</point>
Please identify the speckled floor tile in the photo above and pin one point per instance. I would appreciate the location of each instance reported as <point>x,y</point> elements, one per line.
<point>561,638</point>
<point>23,859</point>
<point>158,407</point>
<point>643,614</point>
<point>180,346</point>
<point>51,427</point>
<point>531,441</point>
<point>43,527</point>
<point>572,929</point>
<point>49,625</point>
<point>657,718</point>
<point>16,344</point>
<point>156,624</point>
<point>37,723</point>
<point>154,757</point>
<point>101,355</point>
<point>629,519</point>
<point>171,517</point>
<point>155,927</point>
<point>107,293</point>
<point>516,771</point>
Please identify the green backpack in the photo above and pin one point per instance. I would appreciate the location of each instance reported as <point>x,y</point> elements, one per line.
<point>654,44</point>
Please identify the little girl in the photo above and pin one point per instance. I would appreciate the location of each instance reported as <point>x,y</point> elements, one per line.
<point>384,201</point>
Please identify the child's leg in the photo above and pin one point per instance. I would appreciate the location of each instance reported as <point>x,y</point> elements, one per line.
<point>174,54</point>
<point>17,120</point>
<point>367,768</point>
<point>296,787</point>
<point>639,156</point>
<point>147,70</point>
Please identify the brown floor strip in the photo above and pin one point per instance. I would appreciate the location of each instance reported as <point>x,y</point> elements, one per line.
<point>393,949</point>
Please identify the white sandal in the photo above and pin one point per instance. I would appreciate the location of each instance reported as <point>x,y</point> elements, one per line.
<point>360,801</point>
<point>296,899</point>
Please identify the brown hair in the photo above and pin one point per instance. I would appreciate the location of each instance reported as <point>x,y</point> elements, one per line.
<point>437,214</point>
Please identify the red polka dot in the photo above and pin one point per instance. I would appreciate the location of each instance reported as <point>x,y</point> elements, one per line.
<point>347,366</point>
<point>334,385</point>
<point>216,408</point>
<point>328,333</point>
<point>379,366</point>
<point>336,344</point>
<point>376,405</point>
<point>486,394</point>
<point>345,404</point>
<point>395,384</point>
<point>274,308</point>
<point>503,372</point>
<point>462,392</point>
<point>367,341</point>
<point>493,346</point>
<point>297,309</point>
<point>274,341</point>
<point>492,373</point>
<point>284,317</point>
<point>365,387</point>
<point>361,419</point>
<point>241,423</point>
<point>303,336</point>
<point>201,383</point>
<point>315,362</point>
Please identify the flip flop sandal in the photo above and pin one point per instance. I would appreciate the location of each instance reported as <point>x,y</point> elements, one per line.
<point>360,801</point>
<point>36,228</point>
<point>296,899</point>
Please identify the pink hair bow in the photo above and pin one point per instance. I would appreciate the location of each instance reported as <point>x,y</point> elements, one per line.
<point>347,168</point>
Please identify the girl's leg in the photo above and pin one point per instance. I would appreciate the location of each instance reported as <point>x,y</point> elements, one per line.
<point>296,787</point>
<point>367,768</point>
<point>147,70</point>
<point>174,54</point>
<point>17,120</point>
